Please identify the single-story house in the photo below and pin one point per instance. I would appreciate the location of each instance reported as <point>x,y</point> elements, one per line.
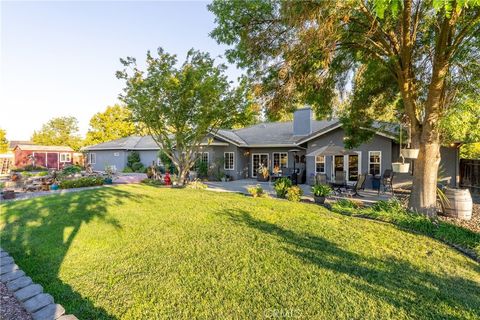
<point>52,157</point>
<point>282,144</point>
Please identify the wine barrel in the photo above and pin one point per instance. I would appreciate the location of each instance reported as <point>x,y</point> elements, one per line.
<point>459,204</point>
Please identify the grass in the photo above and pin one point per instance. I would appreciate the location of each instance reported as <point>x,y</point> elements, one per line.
<point>392,211</point>
<point>141,252</point>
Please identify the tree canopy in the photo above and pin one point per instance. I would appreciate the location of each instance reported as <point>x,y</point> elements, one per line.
<point>61,131</point>
<point>414,59</point>
<point>113,123</point>
<point>181,104</point>
<point>3,141</point>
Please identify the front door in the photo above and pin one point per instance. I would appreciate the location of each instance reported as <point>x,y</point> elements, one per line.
<point>257,159</point>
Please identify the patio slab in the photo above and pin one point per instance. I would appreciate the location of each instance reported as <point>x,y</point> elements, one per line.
<point>241,186</point>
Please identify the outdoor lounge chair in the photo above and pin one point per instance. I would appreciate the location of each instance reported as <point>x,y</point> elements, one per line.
<point>359,185</point>
<point>386,181</point>
<point>339,181</point>
<point>320,178</point>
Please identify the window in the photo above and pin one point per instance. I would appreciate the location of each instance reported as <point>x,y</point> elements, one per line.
<point>229,163</point>
<point>205,157</point>
<point>280,159</point>
<point>320,164</point>
<point>65,157</point>
<point>258,159</point>
<point>92,158</point>
<point>374,162</point>
<point>116,154</point>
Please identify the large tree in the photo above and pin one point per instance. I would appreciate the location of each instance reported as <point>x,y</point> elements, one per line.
<point>418,58</point>
<point>3,141</point>
<point>61,131</point>
<point>181,104</point>
<point>113,123</point>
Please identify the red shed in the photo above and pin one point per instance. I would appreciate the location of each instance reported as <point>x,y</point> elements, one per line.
<point>54,157</point>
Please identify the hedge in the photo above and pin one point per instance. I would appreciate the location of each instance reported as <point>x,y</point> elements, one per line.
<point>81,182</point>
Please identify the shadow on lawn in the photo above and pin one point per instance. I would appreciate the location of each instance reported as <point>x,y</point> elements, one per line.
<point>57,220</point>
<point>397,282</point>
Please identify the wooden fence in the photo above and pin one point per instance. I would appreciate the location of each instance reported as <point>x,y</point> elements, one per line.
<point>470,174</point>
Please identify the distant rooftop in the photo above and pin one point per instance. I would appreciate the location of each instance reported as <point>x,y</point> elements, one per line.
<point>30,147</point>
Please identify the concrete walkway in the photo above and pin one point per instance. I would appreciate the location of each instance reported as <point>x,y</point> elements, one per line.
<point>241,186</point>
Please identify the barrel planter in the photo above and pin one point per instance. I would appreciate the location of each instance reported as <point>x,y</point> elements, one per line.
<point>459,204</point>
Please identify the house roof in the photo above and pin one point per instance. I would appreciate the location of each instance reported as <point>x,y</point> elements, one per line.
<point>32,147</point>
<point>271,134</point>
<point>13,143</point>
<point>127,143</point>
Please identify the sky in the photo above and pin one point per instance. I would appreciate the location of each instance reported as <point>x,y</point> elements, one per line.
<point>59,58</point>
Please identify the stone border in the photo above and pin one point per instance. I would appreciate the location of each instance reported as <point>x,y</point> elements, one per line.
<point>38,304</point>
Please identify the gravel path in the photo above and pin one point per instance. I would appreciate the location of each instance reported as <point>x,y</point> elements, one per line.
<point>10,308</point>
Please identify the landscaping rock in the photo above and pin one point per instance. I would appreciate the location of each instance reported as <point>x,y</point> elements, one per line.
<point>8,268</point>
<point>11,276</point>
<point>49,312</point>
<point>38,302</point>
<point>19,283</point>
<point>28,292</point>
<point>6,260</point>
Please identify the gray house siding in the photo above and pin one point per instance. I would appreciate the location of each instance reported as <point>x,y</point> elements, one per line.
<point>378,143</point>
<point>117,158</point>
<point>216,155</point>
<point>270,152</point>
<point>148,157</point>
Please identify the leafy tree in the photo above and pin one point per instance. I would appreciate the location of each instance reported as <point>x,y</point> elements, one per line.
<point>470,151</point>
<point>415,59</point>
<point>180,105</point>
<point>114,123</point>
<point>62,131</point>
<point>133,157</point>
<point>3,141</point>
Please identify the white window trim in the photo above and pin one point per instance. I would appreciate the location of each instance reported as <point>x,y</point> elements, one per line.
<point>254,174</point>
<point>67,155</point>
<point>225,162</point>
<point>279,159</point>
<point>90,158</point>
<point>324,165</point>
<point>369,162</point>
<point>116,154</point>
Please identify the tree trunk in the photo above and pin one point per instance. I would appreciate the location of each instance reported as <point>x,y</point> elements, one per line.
<point>424,191</point>
<point>182,175</point>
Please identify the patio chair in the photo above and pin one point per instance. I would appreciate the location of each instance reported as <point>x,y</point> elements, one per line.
<point>359,185</point>
<point>320,178</point>
<point>386,181</point>
<point>339,181</point>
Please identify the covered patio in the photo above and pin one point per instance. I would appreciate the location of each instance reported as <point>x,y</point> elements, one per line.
<point>368,196</point>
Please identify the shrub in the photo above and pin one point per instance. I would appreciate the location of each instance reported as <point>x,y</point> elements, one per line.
<point>322,190</point>
<point>81,182</point>
<point>138,167</point>
<point>42,173</point>
<point>197,184</point>
<point>71,170</point>
<point>281,186</point>
<point>29,168</point>
<point>256,191</point>
<point>294,193</point>
<point>127,170</point>
<point>133,157</point>
<point>202,169</point>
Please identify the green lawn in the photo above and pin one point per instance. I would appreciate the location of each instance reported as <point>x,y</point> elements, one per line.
<point>140,252</point>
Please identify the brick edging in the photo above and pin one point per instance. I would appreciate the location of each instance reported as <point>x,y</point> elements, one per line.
<point>38,304</point>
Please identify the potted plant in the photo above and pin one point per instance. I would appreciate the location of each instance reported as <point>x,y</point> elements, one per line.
<point>320,192</point>
<point>109,171</point>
